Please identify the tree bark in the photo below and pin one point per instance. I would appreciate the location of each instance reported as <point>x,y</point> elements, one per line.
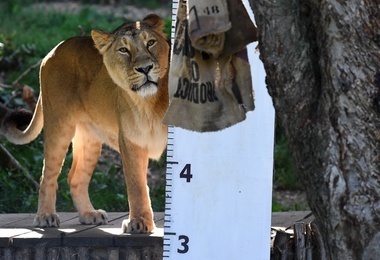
<point>322,60</point>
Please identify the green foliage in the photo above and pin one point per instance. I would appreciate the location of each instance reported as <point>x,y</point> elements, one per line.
<point>277,207</point>
<point>157,197</point>
<point>152,4</point>
<point>26,26</point>
<point>168,27</point>
<point>285,176</point>
<point>158,164</point>
<point>20,192</point>
<point>12,57</point>
<point>108,190</point>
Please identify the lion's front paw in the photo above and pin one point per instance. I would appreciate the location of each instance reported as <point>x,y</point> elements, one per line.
<point>94,217</point>
<point>46,220</point>
<point>138,226</point>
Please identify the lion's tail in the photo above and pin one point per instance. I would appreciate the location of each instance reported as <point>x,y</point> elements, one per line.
<point>20,126</point>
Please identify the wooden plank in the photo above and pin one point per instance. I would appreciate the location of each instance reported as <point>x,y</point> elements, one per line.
<point>18,237</point>
<point>14,218</point>
<point>159,218</point>
<point>26,220</point>
<point>54,237</point>
<point>286,219</point>
<point>300,240</point>
<point>17,229</point>
<point>20,240</point>
<point>110,235</point>
<point>279,219</point>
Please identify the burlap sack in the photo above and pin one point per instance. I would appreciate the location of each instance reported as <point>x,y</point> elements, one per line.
<point>210,24</point>
<point>208,21</point>
<point>208,92</point>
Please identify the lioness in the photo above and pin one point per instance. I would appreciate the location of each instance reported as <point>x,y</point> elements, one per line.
<point>108,88</point>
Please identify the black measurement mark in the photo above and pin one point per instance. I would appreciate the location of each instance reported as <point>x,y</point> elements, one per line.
<point>170,233</point>
<point>170,162</point>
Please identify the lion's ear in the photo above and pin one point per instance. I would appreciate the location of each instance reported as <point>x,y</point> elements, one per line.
<point>155,21</point>
<point>102,40</point>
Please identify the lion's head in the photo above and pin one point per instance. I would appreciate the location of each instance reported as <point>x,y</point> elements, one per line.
<point>135,54</point>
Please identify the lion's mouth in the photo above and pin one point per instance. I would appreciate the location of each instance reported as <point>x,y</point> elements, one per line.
<point>146,84</point>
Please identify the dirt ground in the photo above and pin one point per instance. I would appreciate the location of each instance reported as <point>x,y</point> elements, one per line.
<point>128,12</point>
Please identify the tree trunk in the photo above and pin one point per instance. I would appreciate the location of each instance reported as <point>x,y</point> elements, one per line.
<point>322,60</point>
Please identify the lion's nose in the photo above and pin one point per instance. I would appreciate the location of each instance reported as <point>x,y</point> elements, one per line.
<point>144,70</point>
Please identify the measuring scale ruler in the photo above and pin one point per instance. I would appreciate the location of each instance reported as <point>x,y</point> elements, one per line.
<point>219,184</point>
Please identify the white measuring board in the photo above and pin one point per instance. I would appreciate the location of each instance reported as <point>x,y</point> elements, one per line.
<point>219,184</point>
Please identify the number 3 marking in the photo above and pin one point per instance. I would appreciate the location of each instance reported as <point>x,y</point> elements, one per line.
<point>183,244</point>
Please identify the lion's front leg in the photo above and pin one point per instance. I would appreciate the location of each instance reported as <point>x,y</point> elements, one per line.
<point>135,164</point>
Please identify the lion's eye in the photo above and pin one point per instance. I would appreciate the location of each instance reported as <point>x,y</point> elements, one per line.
<point>123,50</point>
<point>150,43</point>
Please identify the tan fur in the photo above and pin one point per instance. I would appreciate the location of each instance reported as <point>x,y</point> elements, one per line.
<point>80,103</point>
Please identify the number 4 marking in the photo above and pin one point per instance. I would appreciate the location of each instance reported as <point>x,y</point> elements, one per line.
<point>186,173</point>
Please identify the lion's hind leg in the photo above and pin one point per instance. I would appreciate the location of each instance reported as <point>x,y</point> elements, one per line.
<point>57,139</point>
<point>86,152</point>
